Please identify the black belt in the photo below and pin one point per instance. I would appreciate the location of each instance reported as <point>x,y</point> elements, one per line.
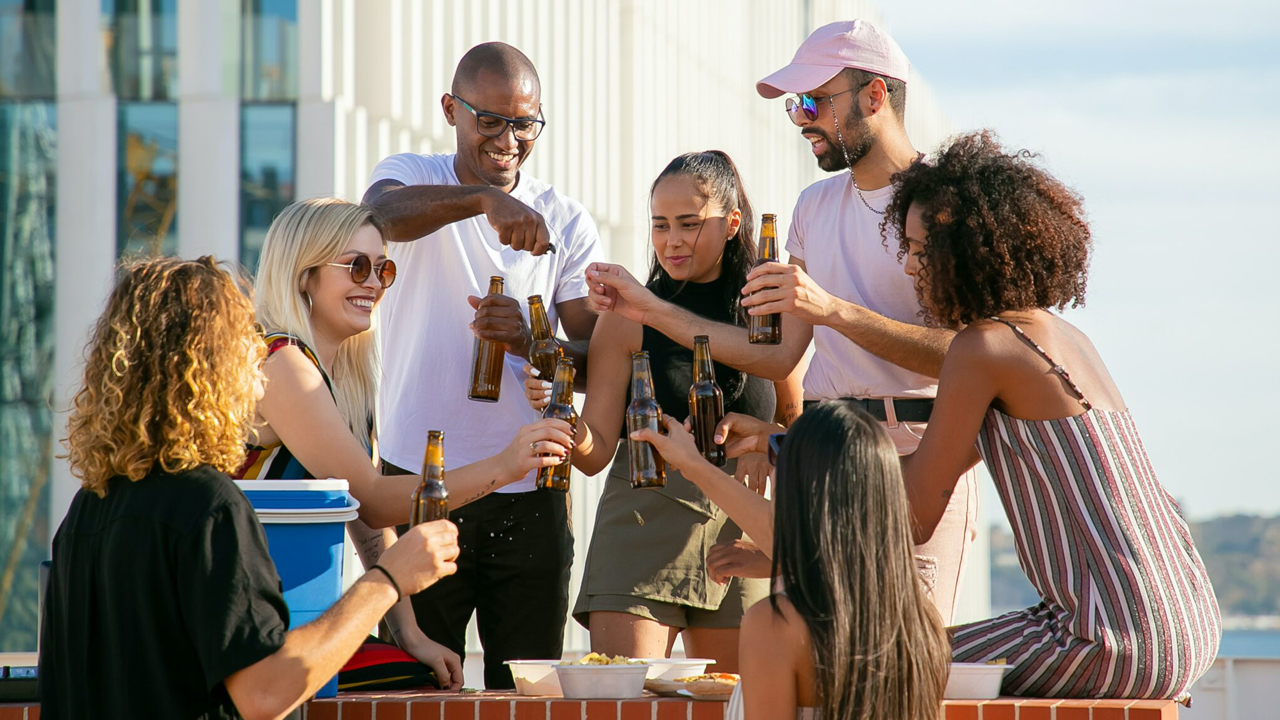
<point>906,410</point>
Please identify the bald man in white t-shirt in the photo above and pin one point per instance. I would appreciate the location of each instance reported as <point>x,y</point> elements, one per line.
<point>844,287</point>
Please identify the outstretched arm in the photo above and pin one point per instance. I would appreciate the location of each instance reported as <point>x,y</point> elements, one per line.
<point>299,409</point>
<point>788,289</point>
<point>614,289</point>
<point>313,653</point>
<point>966,389</point>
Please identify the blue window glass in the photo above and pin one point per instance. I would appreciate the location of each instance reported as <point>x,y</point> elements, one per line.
<point>269,50</point>
<point>27,41</point>
<point>142,48</point>
<point>147,188</point>
<point>267,159</point>
<point>28,163</point>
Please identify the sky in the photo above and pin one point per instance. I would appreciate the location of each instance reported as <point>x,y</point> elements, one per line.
<point>1165,116</point>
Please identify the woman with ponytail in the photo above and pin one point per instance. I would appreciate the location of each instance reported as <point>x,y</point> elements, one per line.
<point>646,578</point>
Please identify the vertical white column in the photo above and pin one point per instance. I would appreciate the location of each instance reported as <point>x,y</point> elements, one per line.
<point>209,130</point>
<point>318,73</point>
<point>86,215</point>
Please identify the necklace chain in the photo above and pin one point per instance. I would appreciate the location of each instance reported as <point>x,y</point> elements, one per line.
<point>840,137</point>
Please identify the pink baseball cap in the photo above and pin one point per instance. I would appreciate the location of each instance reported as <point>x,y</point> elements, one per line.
<point>831,48</point>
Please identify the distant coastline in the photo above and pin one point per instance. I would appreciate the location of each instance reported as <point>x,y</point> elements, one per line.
<point>1251,622</point>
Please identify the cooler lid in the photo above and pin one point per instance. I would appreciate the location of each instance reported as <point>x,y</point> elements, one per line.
<point>309,515</point>
<point>326,485</point>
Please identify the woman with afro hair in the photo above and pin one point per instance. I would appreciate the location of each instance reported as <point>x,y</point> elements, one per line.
<point>995,244</point>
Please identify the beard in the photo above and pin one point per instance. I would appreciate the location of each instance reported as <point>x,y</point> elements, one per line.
<point>858,140</point>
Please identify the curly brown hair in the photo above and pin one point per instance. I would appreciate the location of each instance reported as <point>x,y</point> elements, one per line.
<point>1002,233</point>
<point>169,374</point>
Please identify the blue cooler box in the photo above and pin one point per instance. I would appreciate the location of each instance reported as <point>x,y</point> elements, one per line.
<point>305,522</point>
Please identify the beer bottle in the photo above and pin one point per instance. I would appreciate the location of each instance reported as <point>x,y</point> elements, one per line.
<point>431,499</point>
<point>556,477</point>
<point>545,350</point>
<point>647,468</point>
<point>766,329</point>
<point>706,403</point>
<point>487,361</point>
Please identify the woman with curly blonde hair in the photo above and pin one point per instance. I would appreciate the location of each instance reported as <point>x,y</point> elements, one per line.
<point>162,599</point>
<point>322,273</point>
<point>170,376</point>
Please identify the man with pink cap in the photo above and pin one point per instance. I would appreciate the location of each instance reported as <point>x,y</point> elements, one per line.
<point>844,287</point>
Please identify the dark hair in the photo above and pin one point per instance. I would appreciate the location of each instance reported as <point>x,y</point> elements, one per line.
<point>495,58</point>
<point>1002,233</point>
<point>842,550</point>
<point>897,89</point>
<point>717,178</point>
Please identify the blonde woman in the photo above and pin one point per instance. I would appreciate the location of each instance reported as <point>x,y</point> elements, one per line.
<point>322,272</point>
<point>162,600</point>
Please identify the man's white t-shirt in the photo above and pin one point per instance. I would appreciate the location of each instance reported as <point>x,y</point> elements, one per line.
<point>426,343</point>
<point>838,239</point>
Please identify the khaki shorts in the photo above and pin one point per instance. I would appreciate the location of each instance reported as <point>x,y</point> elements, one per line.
<point>740,597</point>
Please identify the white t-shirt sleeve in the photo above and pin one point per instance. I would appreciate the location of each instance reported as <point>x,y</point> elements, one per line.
<point>406,168</point>
<point>795,232</point>
<point>582,243</point>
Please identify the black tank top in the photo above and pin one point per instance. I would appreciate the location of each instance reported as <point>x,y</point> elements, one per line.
<point>672,364</point>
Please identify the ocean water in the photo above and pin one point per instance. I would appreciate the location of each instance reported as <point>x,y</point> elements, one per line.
<point>1250,643</point>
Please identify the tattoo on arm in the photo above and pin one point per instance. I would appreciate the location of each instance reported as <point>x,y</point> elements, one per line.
<point>487,489</point>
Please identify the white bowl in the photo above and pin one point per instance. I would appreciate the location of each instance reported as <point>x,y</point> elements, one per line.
<point>672,668</point>
<point>974,681</point>
<point>602,681</point>
<point>535,677</point>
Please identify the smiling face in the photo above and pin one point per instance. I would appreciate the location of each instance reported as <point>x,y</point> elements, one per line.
<point>493,161</point>
<point>340,307</point>
<point>688,231</point>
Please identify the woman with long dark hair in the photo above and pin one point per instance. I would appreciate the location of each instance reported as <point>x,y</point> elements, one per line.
<point>646,579</point>
<point>850,631</point>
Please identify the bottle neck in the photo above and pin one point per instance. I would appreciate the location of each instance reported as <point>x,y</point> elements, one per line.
<point>540,324</point>
<point>562,387</point>
<point>768,243</point>
<point>495,286</point>
<point>641,379</point>
<point>702,370</point>
<point>433,465</point>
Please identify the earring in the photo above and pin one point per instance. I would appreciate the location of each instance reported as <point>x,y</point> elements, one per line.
<point>307,295</point>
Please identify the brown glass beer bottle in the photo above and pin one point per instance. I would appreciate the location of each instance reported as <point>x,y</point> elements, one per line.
<point>766,329</point>
<point>706,403</point>
<point>487,361</point>
<point>556,477</point>
<point>647,468</point>
<point>431,499</point>
<point>546,350</point>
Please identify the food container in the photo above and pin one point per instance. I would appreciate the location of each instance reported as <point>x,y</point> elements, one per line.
<point>602,681</point>
<point>672,668</point>
<point>974,681</point>
<point>535,677</point>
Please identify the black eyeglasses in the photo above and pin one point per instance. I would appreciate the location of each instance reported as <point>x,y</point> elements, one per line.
<point>494,125</point>
<point>806,104</point>
<point>360,267</point>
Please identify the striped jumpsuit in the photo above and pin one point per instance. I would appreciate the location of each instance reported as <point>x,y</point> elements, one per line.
<point>1127,608</point>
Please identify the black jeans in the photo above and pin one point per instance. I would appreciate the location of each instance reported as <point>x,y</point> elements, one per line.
<point>516,551</point>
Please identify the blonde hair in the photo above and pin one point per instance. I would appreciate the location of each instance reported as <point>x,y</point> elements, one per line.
<point>169,375</point>
<point>305,236</point>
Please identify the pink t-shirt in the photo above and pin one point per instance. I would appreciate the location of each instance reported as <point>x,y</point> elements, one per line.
<point>839,240</point>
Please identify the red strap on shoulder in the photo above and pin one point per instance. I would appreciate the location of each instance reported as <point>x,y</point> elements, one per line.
<point>278,343</point>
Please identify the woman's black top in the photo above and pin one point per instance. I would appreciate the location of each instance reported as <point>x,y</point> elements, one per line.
<point>672,364</point>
